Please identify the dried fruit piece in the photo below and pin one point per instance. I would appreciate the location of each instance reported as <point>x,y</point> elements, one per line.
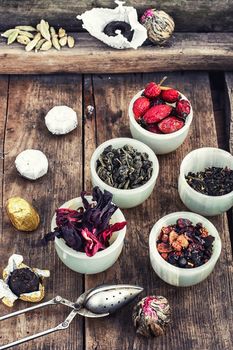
<point>140,106</point>
<point>22,39</point>
<point>63,41</point>
<point>7,33</point>
<point>46,45</point>
<point>26,28</point>
<point>170,125</point>
<point>61,32</point>
<point>152,90</point>
<point>170,95</point>
<point>157,113</point>
<point>153,128</point>
<point>70,41</point>
<point>183,108</point>
<point>164,248</point>
<point>12,37</point>
<point>33,42</point>
<point>44,29</point>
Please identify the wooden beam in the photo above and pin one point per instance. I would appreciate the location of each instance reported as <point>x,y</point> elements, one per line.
<point>229,107</point>
<point>187,51</point>
<point>191,15</point>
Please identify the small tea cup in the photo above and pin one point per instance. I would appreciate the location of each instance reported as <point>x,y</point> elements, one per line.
<point>196,161</point>
<point>102,260</point>
<point>126,198</point>
<point>178,276</point>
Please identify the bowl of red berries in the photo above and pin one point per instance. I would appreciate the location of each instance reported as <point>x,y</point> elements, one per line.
<point>160,117</point>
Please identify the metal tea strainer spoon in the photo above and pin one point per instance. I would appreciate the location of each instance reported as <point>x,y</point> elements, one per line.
<point>100,301</point>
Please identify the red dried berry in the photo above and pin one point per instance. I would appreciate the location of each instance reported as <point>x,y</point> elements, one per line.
<point>152,90</point>
<point>157,113</point>
<point>140,106</point>
<point>183,108</point>
<point>153,128</point>
<point>170,125</point>
<point>170,95</point>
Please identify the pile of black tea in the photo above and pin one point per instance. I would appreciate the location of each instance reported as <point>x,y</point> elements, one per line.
<point>124,167</point>
<point>213,181</point>
<point>23,281</point>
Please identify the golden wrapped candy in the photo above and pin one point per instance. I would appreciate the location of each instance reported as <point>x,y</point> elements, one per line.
<point>22,214</point>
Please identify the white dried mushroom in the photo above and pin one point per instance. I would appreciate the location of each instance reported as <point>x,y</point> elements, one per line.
<point>31,164</point>
<point>61,120</point>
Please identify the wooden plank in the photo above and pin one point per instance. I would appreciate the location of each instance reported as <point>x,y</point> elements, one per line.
<point>202,15</point>
<point>202,315</point>
<point>29,100</point>
<point>188,51</point>
<point>229,107</point>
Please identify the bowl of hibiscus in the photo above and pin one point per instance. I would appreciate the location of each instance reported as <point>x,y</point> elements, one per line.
<point>160,117</point>
<point>89,232</point>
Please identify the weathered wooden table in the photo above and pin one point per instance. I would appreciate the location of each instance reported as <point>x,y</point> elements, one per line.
<point>201,315</point>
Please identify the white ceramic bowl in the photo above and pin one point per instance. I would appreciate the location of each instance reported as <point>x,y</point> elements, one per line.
<point>177,276</point>
<point>198,160</point>
<point>159,143</point>
<point>102,260</point>
<point>121,197</point>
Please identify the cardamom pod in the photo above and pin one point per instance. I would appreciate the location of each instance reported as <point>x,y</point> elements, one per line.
<point>56,42</point>
<point>23,39</point>
<point>61,32</point>
<point>33,42</point>
<point>12,36</point>
<point>28,34</point>
<point>39,44</point>
<point>26,28</point>
<point>63,41</point>
<point>44,30</point>
<point>38,27</point>
<point>7,33</point>
<point>71,41</point>
<point>53,31</point>
<point>46,46</point>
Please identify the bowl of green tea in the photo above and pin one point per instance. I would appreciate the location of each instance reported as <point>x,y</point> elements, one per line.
<point>206,181</point>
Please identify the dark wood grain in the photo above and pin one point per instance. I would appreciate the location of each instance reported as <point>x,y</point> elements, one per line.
<point>201,315</point>
<point>229,107</point>
<point>191,15</point>
<point>186,51</point>
<point>29,100</point>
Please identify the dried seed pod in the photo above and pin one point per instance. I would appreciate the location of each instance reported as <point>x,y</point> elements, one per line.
<point>46,45</point>
<point>39,44</point>
<point>44,29</point>
<point>52,31</point>
<point>12,37</point>
<point>33,42</point>
<point>38,27</point>
<point>22,39</point>
<point>61,32</point>
<point>63,41</point>
<point>26,28</point>
<point>55,42</point>
<point>28,34</point>
<point>7,33</point>
<point>71,41</point>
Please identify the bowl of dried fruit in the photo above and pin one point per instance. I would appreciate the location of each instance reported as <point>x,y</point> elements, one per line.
<point>127,168</point>
<point>89,232</point>
<point>160,117</point>
<point>206,181</point>
<point>184,248</point>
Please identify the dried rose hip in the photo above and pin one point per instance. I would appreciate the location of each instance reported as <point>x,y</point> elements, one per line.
<point>153,128</point>
<point>140,106</point>
<point>157,113</point>
<point>152,90</point>
<point>170,125</point>
<point>183,108</point>
<point>170,95</point>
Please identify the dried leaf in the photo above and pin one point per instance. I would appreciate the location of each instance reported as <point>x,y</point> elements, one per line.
<point>61,32</point>
<point>56,42</point>
<point>33,43</point>
<point>26,28</point>
<point>44,30</point>
<point>71,41</point>
<point>7,33</point>
<point>63,41</point>
<point>12,36</point>
<point>46,46</point>
<point>28,34</point>
<point>22,39</point>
